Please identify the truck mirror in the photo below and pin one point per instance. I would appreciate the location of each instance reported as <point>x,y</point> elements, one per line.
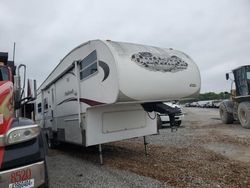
<point>31,89</point>
<point>227,76</point>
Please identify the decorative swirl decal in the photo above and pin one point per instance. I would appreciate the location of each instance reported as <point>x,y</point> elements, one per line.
<point>83,100</point>
<point>155,62</point>
<point>105,68</point>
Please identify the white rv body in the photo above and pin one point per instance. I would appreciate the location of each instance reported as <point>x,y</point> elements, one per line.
<point>94,95</point>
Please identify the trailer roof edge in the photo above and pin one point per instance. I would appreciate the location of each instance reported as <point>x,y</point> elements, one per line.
<point>63,59</point>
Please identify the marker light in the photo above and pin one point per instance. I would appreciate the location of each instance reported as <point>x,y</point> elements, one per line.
<point>20,134</point>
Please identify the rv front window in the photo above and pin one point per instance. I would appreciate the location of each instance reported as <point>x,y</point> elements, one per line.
<point>88,71</point>
<point>91,58</point>
<point>88,66</point>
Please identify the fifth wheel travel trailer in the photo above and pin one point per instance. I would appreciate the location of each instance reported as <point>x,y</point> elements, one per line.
<point>105,91</point>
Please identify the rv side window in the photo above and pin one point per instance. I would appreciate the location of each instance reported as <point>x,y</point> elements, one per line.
<point>39,107</point>
<point>88,65</point>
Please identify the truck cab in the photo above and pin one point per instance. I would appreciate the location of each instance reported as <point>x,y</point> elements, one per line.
<point>242,80</point>
<point>22,149</point>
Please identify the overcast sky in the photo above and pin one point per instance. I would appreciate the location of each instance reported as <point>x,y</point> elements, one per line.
<point>216,34</point>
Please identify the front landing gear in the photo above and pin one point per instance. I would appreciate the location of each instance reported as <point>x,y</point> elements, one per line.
<point>100,154</point>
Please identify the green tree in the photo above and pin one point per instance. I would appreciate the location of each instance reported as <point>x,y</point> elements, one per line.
<point>209,96</point>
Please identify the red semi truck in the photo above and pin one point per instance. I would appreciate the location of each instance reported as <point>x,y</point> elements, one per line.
<point>22,148</point>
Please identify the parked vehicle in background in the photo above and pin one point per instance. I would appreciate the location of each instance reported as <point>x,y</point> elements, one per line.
<point>209,104</point>
<point>192,104</point>
<point>22,151</point>
<point>202,104</point>
<point>216,104</point>
<point>165,120</point>
<point>238,107</point>
<point>205,104</point>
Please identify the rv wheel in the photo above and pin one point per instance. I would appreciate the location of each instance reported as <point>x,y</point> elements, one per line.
<point>244,114</point>
<point>225,116</point>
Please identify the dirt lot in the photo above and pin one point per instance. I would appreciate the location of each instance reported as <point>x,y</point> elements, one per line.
<point>203,153</point>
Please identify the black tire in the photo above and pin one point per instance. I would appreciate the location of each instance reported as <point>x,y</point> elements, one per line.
<point>244,114</point>
<point>225,116</point>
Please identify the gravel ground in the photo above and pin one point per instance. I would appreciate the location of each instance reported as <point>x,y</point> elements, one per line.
<point>73,171</point>
<point>202,153</point>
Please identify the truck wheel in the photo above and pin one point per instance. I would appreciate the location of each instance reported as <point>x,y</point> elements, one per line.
<point>225,116</point>
<point>244,114</point>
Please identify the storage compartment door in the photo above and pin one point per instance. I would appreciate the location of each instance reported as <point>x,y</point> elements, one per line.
<point>117,122</point>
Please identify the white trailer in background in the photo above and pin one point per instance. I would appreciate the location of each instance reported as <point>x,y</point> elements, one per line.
<point>104,91</point>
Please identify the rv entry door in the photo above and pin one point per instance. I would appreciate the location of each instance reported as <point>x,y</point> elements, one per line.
<point>49,107</point>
